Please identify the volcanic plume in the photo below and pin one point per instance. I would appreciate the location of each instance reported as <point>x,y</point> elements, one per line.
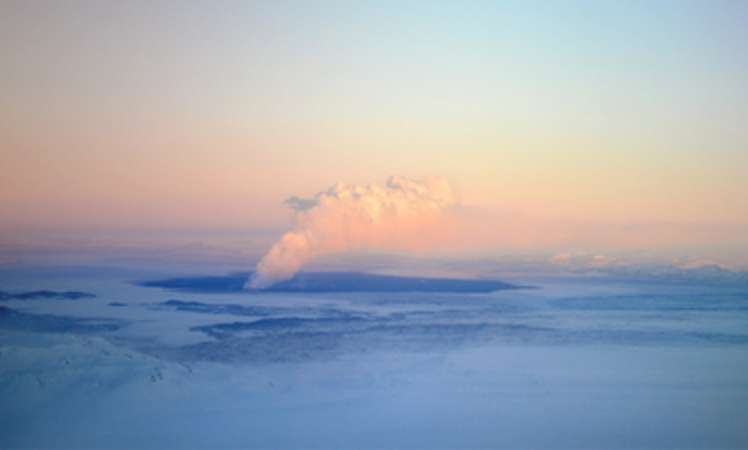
<point>402,214</point>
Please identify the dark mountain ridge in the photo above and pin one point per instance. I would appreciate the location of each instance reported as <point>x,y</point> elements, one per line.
<point>321,282</point>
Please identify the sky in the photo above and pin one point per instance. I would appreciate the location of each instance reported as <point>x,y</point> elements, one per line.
<point>548,118</point>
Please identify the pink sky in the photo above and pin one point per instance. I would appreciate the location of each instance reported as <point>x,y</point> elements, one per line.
<point>584,127</point>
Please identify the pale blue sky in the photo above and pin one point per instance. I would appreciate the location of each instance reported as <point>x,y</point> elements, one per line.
<point>166,114</point>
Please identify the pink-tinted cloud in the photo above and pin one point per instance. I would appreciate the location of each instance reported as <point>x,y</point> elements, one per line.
<point>404,214</point>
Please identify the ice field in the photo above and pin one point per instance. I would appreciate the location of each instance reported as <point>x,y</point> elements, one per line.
<point>93,358</point>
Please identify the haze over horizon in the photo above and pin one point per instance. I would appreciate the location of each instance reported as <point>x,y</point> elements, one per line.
<point>578,127</point>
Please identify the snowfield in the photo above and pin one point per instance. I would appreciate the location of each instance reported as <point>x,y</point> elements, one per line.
<point>571,364</point>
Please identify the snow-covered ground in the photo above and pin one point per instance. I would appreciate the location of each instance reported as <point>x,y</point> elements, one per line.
<point>573,364</point>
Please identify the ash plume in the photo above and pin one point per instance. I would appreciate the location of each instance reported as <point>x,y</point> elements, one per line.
<point>403,214</point>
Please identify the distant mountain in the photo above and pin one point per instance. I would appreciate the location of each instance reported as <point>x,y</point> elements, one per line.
<point>45,294</point>
<point>706,274</point>
<point>330,282</point>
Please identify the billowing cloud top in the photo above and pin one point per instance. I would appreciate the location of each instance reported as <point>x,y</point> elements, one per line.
<point>396,216</point>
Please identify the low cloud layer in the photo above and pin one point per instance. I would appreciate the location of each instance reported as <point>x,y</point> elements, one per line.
<point>404,214</point>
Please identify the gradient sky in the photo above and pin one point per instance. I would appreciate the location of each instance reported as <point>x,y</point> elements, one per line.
<point>207,115</point>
